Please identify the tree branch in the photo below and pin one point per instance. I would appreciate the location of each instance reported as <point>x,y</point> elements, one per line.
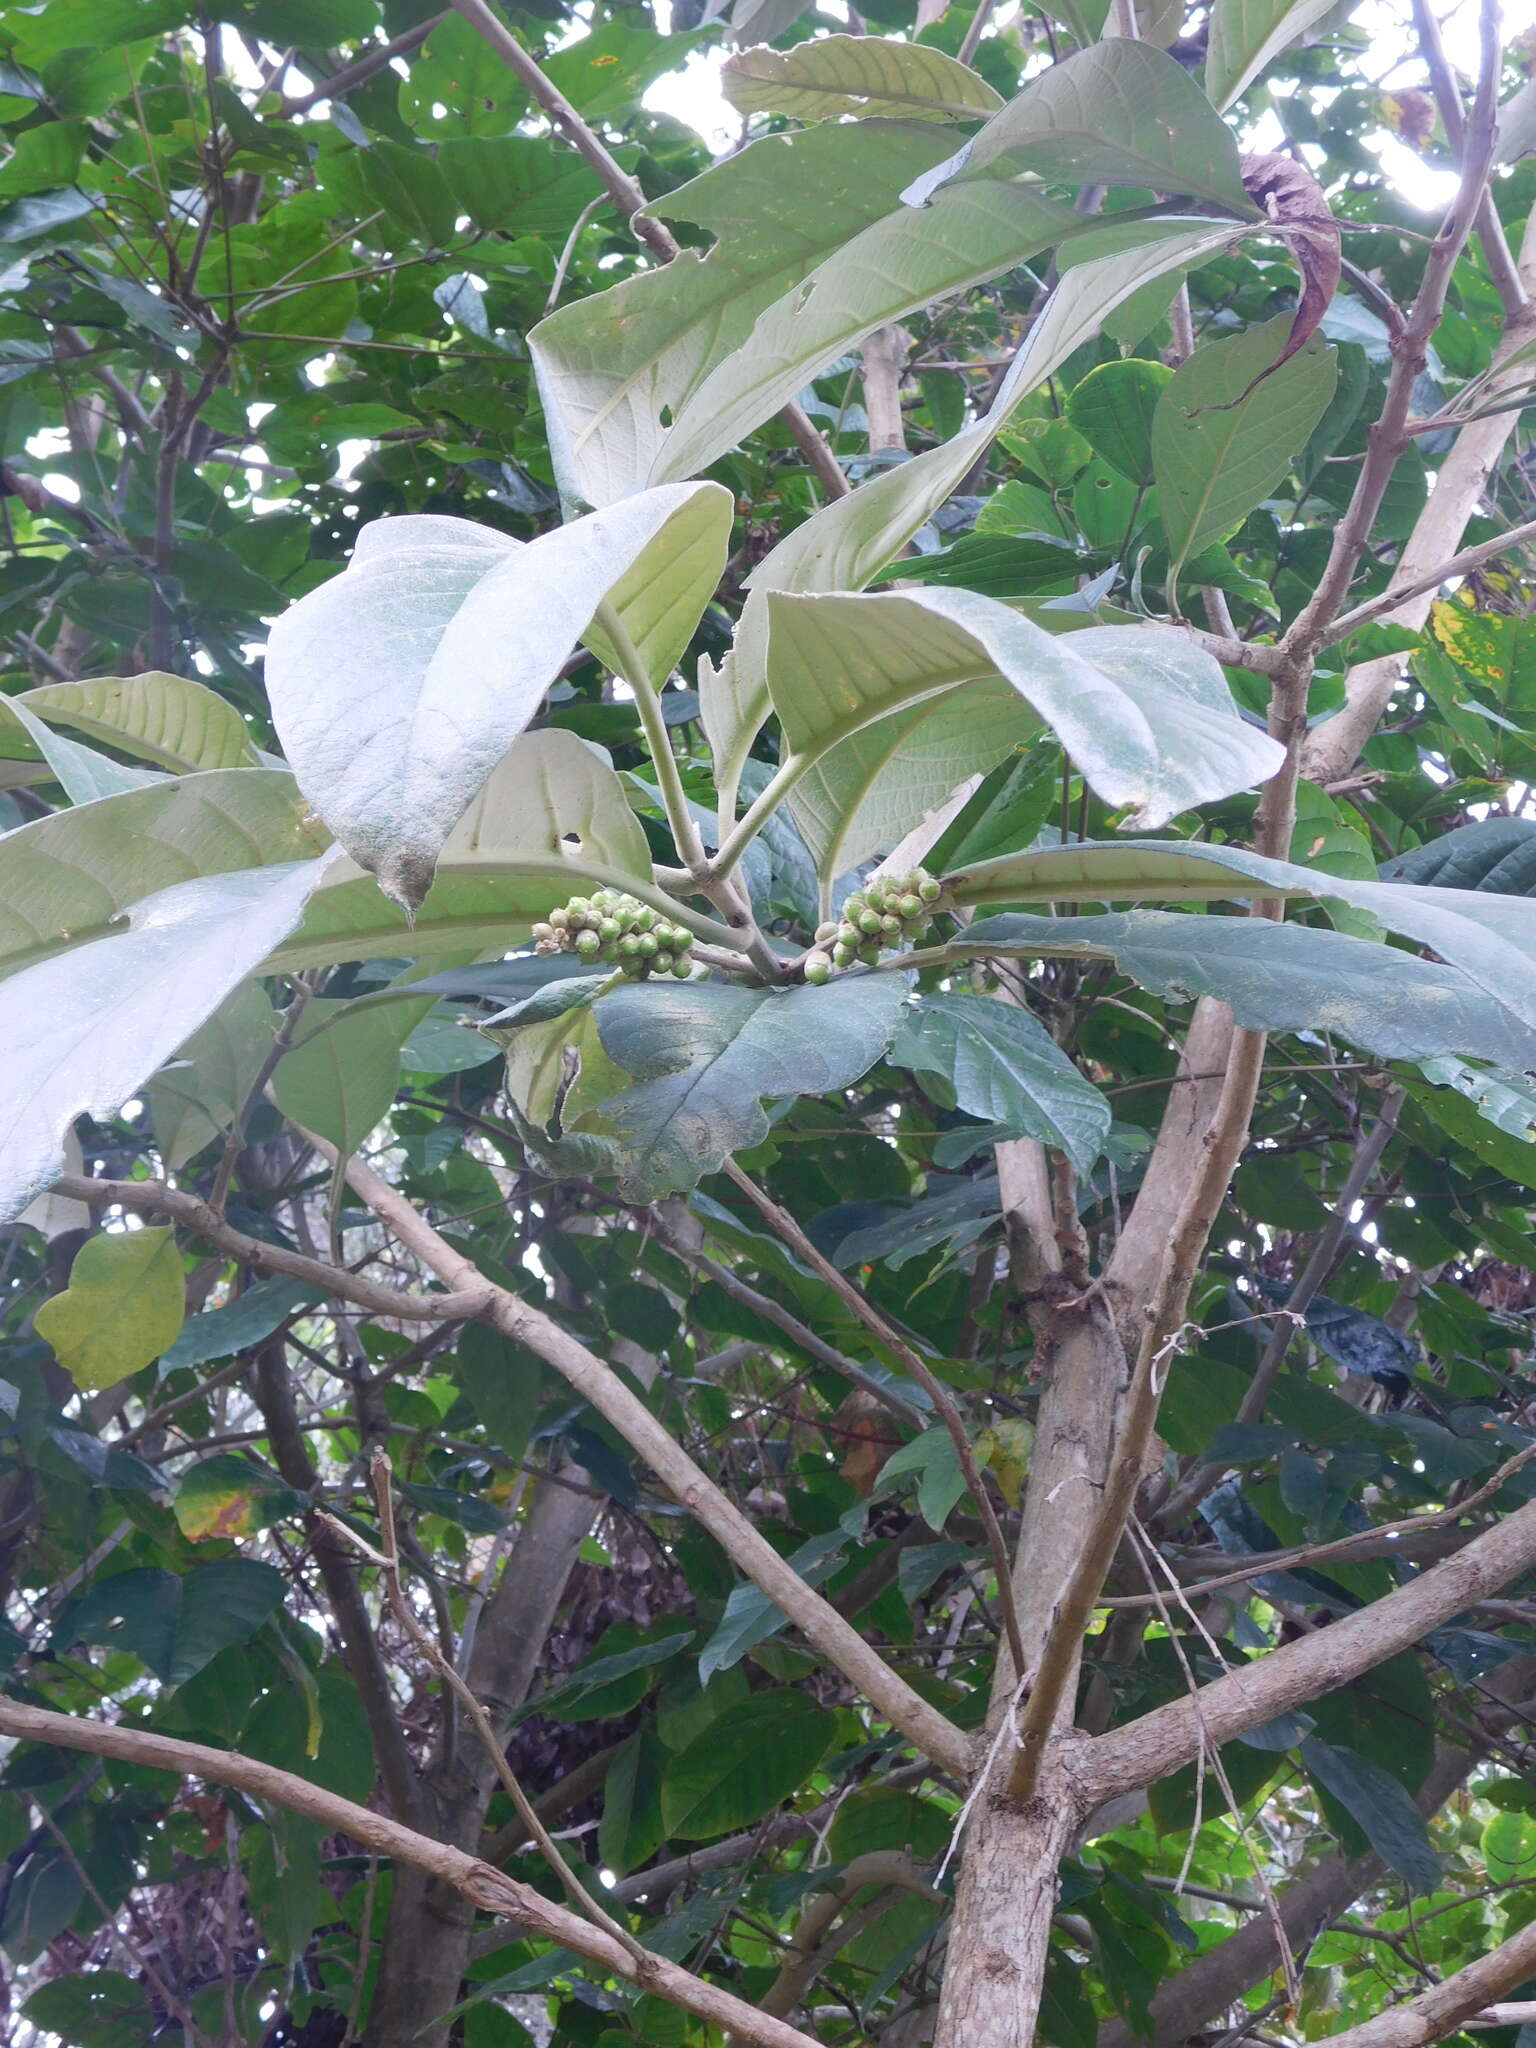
<point>1400,594</point>
<point>1142,1752</point>
<point>817,1620</point>
<point>492,1891</point>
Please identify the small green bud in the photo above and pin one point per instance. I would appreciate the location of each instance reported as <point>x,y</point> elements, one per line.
<point>842,954</point>
<point>588,944</point>
<point>869,952</point>
<point>661,962</point>
<point>910,907</point>
<point>608,928</point>
<point>929,889</point>
<point>827,932</point>
<point>649,944</point>
<point>629,946</point>
<point>891,927</point>
<point>869,922</point>
<point>682,970</point>
<point>817,969</point>
<point>643,918</point>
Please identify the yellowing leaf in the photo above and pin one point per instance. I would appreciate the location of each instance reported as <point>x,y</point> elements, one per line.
<point>123,1306</point>
<point>227,1497</point>
<point>1005,1448</point>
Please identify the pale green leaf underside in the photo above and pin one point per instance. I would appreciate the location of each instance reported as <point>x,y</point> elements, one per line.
<point>1490,938</point>
<point>170,721</point>
<point>80,1032</point>
<point>610,367</point>
<point>1281,978</point>
<point>398,686</point>
<point>1146,716</point>
<point>860,75</point>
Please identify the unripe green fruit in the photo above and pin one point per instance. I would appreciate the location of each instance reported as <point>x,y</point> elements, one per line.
<point>682,970</point>
<point>817,969</point>
<point>662,962</point>
<point>629,946</point>
<point>608,928</point>
<point>649,944</point>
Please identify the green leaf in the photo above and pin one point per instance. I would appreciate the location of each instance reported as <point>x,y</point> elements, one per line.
<point>744,1765</point>
<point>1004,1067</point>
<point>82,773</point>
<point>1146,716</point>
<point>842,546</point>
<point>411,189</point>
<point>750,1617</point>
<point>201,1094</point>
<point>863,75</point>
<point>1112,409</point>
<point>932,1456</point>
<point>340,1077</point>
<point>173,1625</point>
<point>458,85</point>
<point>631,1829</point>
<point>123,1306</point>
<point>705,1055</point>
<point>504,1385</point>
<point>68,878</point>
<point>1120,113</point>
<point>1492,939</point>
<point>1380,1806</point>
<point>1247,35</point>
<point>239,1324</point>
<point>613,369</point>
<point>969,234</point>
<point>519,184</point>
<point>129,1001</point>
<point>43,158</point>
<point>1221,442</point>
<point>600,1675</point>
<point>399,685</point>
<point>1509,1846</point>
<point>1280,978</point>
<point>1495,854</point>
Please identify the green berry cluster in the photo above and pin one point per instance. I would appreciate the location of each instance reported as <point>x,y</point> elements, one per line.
<point>610,929</point>
<point>888,911</point>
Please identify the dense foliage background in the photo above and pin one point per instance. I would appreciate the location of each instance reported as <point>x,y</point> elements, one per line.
<point>268,274</point>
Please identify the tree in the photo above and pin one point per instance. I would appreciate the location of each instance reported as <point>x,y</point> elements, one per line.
<point>769,992</point>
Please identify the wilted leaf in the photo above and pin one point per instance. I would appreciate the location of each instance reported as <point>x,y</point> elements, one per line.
<point>226,1497</point>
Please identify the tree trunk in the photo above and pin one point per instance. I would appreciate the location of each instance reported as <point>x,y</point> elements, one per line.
<point>995,1967</point>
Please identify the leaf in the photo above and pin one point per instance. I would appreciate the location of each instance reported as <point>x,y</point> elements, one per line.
<point>1247,35</point>
<point>601,1674</point>
<point>225,1497</point>
<point>1112,409</point>
<point>969,234</point>
<point>1294,200</point>
<point>705,1055</point>
<point>744,1765</point>
<point>170,721</point>
<point>173,1625</point>
<point>959,1214</point>
<point>504,1385</point>
<point>1222,441</point>
<point>202,1092</point>
<point>1378,1803</point>
<point>398,686</point>
<point>129,1002</point>
<point>1004,1067</point>
<point>864,795</point>
<point>1120,113</point>
<point>1495,854</point>
<point>1280,978</point>
<point>83,774</point>
<point>612,368</point>
<point>940,1483</point>
<point>123,1306</point>
<point>241,1323</point>
<point>750,1617</point>
<point>1146,716</point>
<point>631,1829</point>
<point>68,878</point>
<point>843,544</point>
<point>863,75</point>
<point>340,1077</point>
<point>1492,939</point>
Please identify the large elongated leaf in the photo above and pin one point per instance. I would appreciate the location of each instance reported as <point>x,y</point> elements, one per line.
<point>1224,434</point>
<point>398,686</point>
<point>1497,854</point>
<point>1281,978</point>
<point>1248,34</point>
<point>1145,714</point>
<point>81,772</point>
<point>704,1056</point>
<point>865,795</point>
<point>552,818</point>
<point>742,1765</point>
<point>1005,1068</point>
<point>842,546</point>
<point>79,1033</point>
<point>1381,1807</point>
<point>170,721</point>
<point>970,233</point>
<point>341,1074</point>
<point>203,1091</point>
<point>611,368</point>
<point>174,1625</point>
<point>864,75</point>
<point>69,877</point>
<point>1492,939</point>
<point>1120,113</point>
